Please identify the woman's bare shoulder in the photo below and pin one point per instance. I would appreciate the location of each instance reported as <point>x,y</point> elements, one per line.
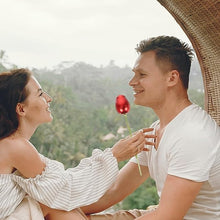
<point>22,155</point>
<point>11,149</point>
<point>15,146</point>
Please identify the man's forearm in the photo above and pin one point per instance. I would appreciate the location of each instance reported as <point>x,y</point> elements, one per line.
<point>149,216</point>
<point>103,203</point>
<point>120,189</point>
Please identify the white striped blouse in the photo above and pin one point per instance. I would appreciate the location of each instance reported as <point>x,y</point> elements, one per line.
<point>59,188</point>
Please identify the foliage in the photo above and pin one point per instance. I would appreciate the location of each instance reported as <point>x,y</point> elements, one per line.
<point>142,197</point>
<point>197,97</point>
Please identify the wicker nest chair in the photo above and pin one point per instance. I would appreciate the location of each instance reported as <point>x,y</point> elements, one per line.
<point>200,20</point>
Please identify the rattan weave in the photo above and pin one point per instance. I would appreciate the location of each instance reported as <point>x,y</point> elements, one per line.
<point>200,20</point>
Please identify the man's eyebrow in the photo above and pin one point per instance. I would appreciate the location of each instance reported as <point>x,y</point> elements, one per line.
<point>139,70</point>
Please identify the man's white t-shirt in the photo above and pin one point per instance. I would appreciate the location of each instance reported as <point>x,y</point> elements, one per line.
<point>190,149</point>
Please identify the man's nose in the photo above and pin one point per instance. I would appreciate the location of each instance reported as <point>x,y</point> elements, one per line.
<point>133,81</point>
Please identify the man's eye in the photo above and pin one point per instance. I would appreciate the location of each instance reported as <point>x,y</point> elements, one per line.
<point>41,94</point>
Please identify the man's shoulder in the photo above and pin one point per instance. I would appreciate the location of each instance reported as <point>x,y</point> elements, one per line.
<point>196,119</point>
<point>194,127</point>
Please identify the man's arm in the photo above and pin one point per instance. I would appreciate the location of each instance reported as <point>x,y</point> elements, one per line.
<point>128,180</point>
<point>177,196</point>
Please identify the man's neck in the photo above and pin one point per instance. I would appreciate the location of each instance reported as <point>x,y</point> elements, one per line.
<point>170,110</point>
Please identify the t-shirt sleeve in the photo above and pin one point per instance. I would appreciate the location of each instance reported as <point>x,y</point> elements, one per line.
<point>75,187</point>
<point>191,157</point>
<point>142,158</point>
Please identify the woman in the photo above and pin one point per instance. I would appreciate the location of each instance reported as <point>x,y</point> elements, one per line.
<point>27,177</point>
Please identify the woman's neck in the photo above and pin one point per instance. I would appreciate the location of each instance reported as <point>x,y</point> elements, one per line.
<point>26,132</point>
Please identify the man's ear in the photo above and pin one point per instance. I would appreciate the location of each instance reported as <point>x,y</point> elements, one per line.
<point>20,109</point>
<point>173,77</point>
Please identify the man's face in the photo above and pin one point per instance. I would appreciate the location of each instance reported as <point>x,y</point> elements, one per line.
<point>149,82</point>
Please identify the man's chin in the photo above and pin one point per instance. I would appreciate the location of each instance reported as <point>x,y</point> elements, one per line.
<point>136,102</point>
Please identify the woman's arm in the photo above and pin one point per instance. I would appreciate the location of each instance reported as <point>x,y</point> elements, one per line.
<point>75,187</point>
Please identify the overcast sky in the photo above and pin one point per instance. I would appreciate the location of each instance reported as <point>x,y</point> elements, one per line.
<point>43,33</point>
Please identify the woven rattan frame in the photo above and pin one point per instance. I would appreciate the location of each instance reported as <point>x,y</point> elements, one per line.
<point>200,20</point>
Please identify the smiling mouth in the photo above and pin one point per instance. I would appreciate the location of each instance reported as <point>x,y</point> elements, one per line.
<point>137,92</point>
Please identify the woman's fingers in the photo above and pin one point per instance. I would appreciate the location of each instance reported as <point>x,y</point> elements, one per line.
<point>149,143</point>
<point>150,136</point>
<point>147,129</point>
<point>137,136</point>
<point>139,139</point>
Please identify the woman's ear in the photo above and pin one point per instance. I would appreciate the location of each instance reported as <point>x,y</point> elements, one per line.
<point>173,77</point>
<point>20,109</point>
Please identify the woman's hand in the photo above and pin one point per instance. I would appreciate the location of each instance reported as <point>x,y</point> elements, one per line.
<point>132,145</point>
<point>147,136</point>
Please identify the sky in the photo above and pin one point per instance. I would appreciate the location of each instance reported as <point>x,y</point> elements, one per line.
<point>43,33</point>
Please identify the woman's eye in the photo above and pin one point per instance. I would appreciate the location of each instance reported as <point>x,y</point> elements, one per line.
<point>41,94</point>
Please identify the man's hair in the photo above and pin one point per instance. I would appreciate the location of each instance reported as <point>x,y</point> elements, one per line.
<point>171,54</point>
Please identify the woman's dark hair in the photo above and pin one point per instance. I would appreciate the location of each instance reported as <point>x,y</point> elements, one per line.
<point>12,92</point>
<point>171,54</point>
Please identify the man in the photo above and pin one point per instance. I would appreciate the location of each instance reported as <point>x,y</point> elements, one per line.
<point>185,161</point>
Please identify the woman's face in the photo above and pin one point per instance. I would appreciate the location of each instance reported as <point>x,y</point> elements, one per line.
<point>36,105</point>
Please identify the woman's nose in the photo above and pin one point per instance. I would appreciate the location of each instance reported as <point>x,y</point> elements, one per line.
<point>48,97</point>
